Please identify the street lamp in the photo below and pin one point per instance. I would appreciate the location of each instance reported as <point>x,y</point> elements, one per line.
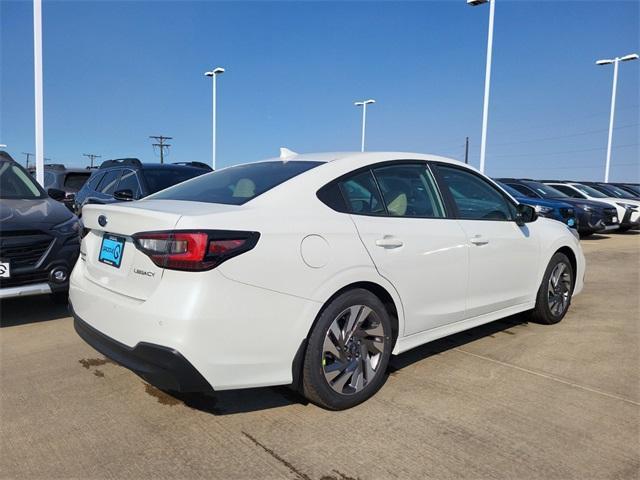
<point>363,104</point>
<point>487,78</point>
<point>615,61</point>
<point>213,74</point>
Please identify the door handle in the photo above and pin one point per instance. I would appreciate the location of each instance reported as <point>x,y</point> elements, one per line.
<point>479,240</point>
<point>389,242</point>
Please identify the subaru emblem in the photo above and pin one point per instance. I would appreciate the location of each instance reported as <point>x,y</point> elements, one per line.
<point>102,220</point>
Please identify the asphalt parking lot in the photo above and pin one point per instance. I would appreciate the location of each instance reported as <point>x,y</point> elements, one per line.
<point>506,400</point>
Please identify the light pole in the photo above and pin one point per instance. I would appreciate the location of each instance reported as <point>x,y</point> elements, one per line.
<point>364,104</point>
<point>615,61</point>
<point>487,78</point>
<point>37,70</point>
<point>213,74</point>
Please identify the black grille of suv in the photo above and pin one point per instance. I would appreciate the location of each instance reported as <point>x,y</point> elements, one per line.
<point>23,249</point>
<point>24,279</point>
<point>608,214</point>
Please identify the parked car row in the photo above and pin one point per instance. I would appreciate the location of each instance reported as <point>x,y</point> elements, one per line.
<point>594,207</point>
<point>40,238</point>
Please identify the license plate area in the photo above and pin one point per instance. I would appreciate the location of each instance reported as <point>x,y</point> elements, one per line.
<point>5,269</point>
<point>111,250</point>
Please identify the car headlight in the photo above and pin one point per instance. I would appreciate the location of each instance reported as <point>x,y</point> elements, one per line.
<point>628,206</point>
<point>67,228</point>
<point>543,210</point>
<point>586,208</point>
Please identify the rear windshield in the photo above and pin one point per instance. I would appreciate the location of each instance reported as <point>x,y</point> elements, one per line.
<point>237,185</point>
<point>74,181</point>
<point>161,178</point>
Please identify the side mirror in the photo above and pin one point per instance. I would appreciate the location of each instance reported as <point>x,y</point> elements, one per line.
<point>71,197</point>
<point>56,194</point>
<point>125,195</point>
<point>525,214</point>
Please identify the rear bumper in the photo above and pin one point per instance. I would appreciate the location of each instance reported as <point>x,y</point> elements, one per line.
<point>162,367</point>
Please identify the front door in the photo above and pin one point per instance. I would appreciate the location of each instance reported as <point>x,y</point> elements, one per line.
<point>503,257</point>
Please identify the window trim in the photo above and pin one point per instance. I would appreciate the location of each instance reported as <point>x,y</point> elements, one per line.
<point>451,202</point>
<point>371,168</point>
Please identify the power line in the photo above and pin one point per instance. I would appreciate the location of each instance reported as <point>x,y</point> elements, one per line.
<point>563,152</point>
<point>558,137</point>
<point>27,155</point>
<point>92,157</point>
<point>160,139</point>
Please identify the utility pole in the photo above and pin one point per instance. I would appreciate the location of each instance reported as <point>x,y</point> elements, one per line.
<point>161,144</point>
<point>27,155</point>
<point>466,150</point>
<point>92,157</point>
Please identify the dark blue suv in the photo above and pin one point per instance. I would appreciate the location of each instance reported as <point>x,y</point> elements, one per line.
<point>592,216</point>
<point>129,179</point>
<point>550,208</point>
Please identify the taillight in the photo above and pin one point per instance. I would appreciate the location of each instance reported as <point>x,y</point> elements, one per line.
<point>194,250</point>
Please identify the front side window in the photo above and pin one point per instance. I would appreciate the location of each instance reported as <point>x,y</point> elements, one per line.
<point>589,191</point>
<point>108,183</point>
<point>235,185</point>
<point>408,190</point>
<point>546,191</point>
<point>362,195</point>
<point>49,179</point>
<point>524,190</point>
<point>129,181</point>
<point>16,183</point>
<point>475,198</point>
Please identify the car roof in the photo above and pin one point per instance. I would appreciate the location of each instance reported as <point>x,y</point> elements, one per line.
<point>364,157</point>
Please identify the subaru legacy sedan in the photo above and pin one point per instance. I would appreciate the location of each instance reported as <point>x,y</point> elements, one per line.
<point>312,270</point>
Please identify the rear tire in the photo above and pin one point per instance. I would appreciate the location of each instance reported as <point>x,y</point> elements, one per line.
<point>556,289</point>
<point>348,351</point>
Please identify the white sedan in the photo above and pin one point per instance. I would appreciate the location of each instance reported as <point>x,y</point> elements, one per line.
<point>312,270</point>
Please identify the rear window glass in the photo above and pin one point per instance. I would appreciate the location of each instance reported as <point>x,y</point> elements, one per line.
<point>74,181</point>
<point>237,185</point>
<point>161,178</point>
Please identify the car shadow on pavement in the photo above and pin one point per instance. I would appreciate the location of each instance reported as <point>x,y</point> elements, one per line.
<point>21,311</point>
<point>595,236</point>
<point>254,399</point>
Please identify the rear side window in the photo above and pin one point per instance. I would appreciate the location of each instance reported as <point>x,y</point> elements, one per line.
<point>362,194</point>
<point>93,181</point>
<point>236,185</point>
<point>475,198</point>
<point>74,181</point>
<point>108,183</point>
<point>409,191</point>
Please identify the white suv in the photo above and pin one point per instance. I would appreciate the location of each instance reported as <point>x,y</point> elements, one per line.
<point>312,270</point>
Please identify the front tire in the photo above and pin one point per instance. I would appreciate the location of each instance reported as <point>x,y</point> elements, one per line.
<point>554,294</point>
<point>348,351</point>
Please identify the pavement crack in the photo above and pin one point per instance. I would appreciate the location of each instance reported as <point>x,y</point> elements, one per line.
<point>550,377</point>
<point>284,462</point>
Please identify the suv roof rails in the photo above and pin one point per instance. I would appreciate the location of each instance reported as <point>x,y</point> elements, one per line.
<point>118,162</point>
<point>194,164</point>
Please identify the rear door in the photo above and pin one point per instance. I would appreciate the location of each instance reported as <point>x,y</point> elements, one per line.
<point>402,223</point>
<point>504,258</point>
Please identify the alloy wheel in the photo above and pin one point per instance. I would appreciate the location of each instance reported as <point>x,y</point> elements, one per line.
<point>559,289</point>
<point>352,350</point>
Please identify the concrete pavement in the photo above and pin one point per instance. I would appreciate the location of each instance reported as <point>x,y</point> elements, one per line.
<point>506,400</point>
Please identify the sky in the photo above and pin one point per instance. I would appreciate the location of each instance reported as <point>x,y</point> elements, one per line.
<point>117,72</point>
